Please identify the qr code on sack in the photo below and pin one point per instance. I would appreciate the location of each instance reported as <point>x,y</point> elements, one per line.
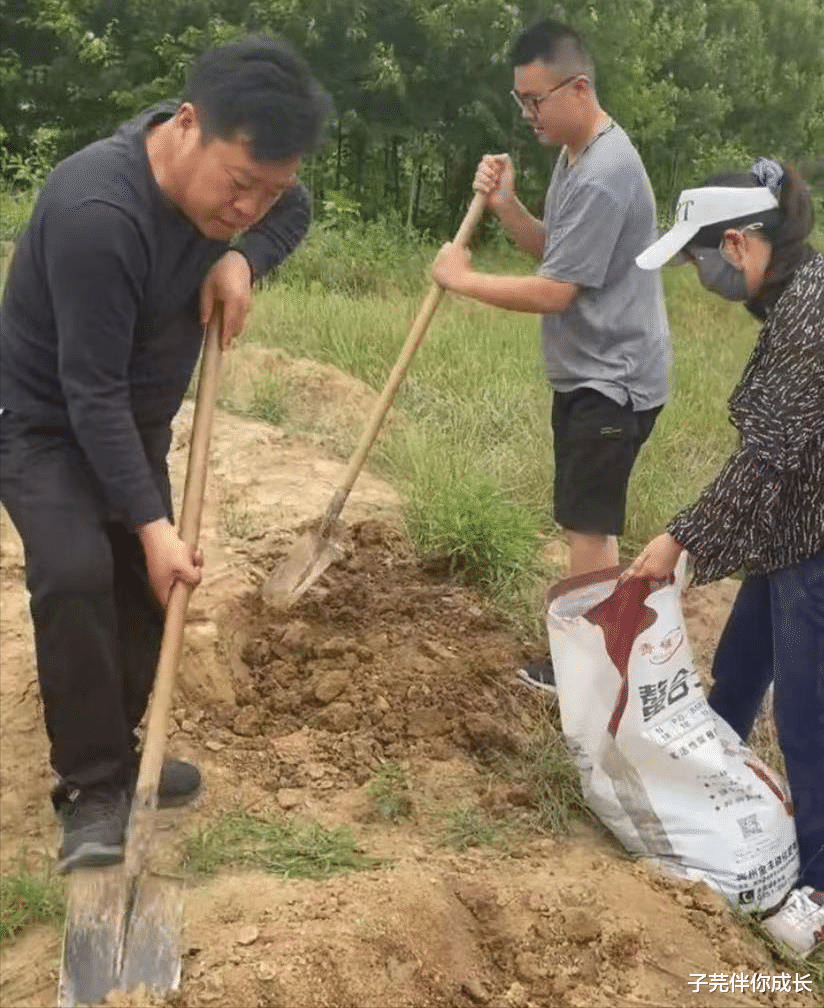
<point>749,825</point>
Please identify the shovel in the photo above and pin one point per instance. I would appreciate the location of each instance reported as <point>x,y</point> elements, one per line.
<point>123,923</point>
<point>315,551</point>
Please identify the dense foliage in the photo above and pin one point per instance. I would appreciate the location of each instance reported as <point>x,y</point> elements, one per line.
<point>421,86</point>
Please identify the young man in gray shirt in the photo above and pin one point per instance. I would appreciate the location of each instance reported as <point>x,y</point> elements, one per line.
<point>603,320</point>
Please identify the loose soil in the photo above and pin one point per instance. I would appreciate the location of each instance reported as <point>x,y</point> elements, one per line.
<point>293,713</point>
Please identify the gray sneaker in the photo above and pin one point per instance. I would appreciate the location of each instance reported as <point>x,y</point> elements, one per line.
<point>94,828</point>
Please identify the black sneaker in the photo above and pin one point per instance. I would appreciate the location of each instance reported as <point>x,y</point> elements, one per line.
<point>179,784</point>
<point>94,828</point>
<point>540,674</point>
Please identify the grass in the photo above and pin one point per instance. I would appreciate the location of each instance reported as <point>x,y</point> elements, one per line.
<point>547,770</point>
<point>27,899</point>
<point>15,210</point>
<point>235,520</point>
<point>473,526</point>
<point>389,791</point>
<point>279,846</point>
<point>269,401</point>
<point>373,258</point>
<point>467,826</point>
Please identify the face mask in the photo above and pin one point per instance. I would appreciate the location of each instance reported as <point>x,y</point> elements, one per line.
<point>721,277</point>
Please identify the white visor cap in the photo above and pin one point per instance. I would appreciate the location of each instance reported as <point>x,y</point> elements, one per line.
<point>699,207</point>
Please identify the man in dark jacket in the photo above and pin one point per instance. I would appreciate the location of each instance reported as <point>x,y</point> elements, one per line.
<point>133,244</point>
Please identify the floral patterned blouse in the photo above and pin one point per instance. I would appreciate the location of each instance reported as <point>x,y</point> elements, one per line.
<point>765,509</point>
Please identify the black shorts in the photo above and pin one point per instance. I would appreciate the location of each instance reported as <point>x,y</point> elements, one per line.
<point>596,444</point>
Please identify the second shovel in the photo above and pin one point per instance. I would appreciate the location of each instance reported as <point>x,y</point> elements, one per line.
<point>315,551</point>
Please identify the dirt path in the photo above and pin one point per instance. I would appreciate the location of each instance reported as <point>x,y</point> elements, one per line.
<point>294,714</point>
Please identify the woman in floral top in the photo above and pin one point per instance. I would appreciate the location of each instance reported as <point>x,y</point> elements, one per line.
<point>746,234</point>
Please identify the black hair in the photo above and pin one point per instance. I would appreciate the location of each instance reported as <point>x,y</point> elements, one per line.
<point>786,228</point>
<point>553,42</point>
<point>259,87</point>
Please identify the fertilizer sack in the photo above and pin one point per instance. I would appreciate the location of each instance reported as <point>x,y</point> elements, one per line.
<point>668,777</point>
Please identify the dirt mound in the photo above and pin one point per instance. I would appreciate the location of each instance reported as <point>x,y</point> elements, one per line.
<point>311,396</point>
<point>380,659</point>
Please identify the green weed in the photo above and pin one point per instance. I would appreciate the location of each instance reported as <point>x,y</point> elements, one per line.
<point>27,899</point>
<point>547,770</point>
<point>465,520</point>
<point>236,521</point>
<point>269,401</point>
<point>469,826</point>
<point>15,210</point>
<point>389,791</point>
<point>362,258</point>
<point>306,850</point>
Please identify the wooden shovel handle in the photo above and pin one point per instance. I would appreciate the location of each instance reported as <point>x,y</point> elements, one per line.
<point>172,644</point>
<point>413,341</point>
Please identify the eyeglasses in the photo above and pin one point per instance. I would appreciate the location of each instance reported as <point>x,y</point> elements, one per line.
<point>531,105</point>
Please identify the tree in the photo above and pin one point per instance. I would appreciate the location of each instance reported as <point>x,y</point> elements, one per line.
<point>421,87</point>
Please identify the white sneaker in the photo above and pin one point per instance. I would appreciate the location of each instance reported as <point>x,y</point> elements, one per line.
<point>799,924</point>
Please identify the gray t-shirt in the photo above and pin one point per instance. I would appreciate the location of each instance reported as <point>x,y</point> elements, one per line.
<point>614,337</point>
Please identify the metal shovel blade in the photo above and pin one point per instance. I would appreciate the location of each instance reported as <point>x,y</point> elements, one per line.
<point>306,561</point>
<point>152,953</point>
<point>110,946</point>
<point>95,910</point>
